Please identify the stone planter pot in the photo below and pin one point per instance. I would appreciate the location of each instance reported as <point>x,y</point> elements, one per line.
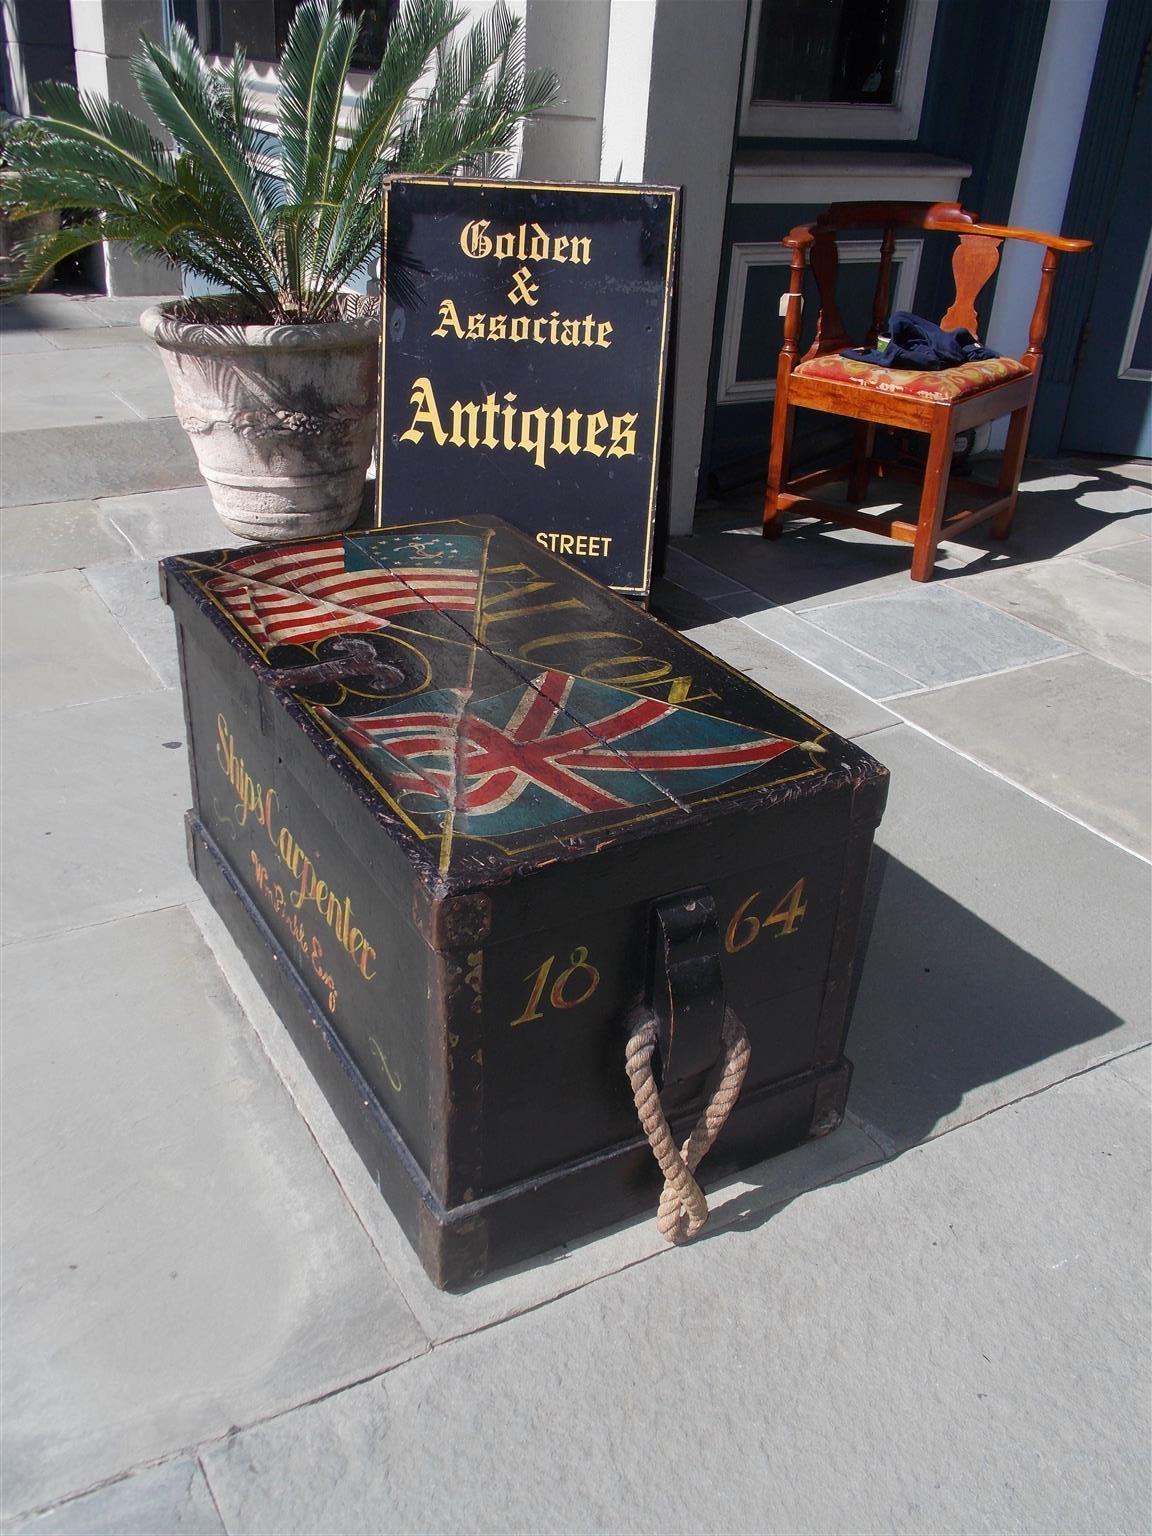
<point>282,417</point>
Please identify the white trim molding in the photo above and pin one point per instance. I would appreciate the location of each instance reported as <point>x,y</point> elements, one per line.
<point>733,391</point>
<point>817,177</point>
<point>845,120</point>
<point>1140,375</point>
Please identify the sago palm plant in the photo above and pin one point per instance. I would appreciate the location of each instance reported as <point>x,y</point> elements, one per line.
<point>282,216</point>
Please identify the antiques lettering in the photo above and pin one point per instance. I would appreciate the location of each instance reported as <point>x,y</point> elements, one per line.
<point>256,801</point>
<point>490,423</point>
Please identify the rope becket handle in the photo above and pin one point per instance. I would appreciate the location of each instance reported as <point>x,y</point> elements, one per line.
<point>683,1207</point>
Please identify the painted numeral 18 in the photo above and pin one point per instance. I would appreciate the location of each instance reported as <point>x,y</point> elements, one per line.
<point>747,926</point>
<point>573,985</point>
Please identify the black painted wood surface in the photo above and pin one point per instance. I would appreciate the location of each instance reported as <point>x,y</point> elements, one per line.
<point>463,808</point>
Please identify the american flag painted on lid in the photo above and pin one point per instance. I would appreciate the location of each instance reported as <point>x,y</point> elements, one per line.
<point>555,748</point>
<point>299,594</point>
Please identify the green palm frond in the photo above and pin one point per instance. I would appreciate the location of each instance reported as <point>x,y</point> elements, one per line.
<point>481,94</point>
<point>105,126</point>
<point>313,69</point>
<point>182,90</point>
<point>415,37</point>
<point>284,236</point>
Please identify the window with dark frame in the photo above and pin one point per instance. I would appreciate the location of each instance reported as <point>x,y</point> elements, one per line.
<point>261,26</point>
<point>829,51</point>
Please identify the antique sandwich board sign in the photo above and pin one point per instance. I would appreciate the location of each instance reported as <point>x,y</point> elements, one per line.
<point>462,809</point>
<point>524,352</point>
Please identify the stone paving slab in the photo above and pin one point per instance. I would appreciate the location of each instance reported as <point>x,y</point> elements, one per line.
<point>679,607</point>
<point>1094,723</point>
<point>1139,470</point>
<point>161,1501</point>
<point>1004,952</point>
<point>1090,608</point>
<point>566,1269</point>
<point>174,522</point>
<point>68,311</point>
<point>937,635</point>
<point>99,336</point>
<point>731,640</point>
<point>73,389</point>
<point>807,640</point>
<point>688,572</point>
<point>1129,502</point>
<point>46,312</point>
<point>179,1257</point>
<point>56,536</point>
<point>1135,1070</point>
<point>1065,507</point>
<point>93,806</point>
<point>797,682</point>
<point>1133,561</point>
<point>943,1343</point>
<point>131,591</point>
<point>805,569</point>
<point>89,462</point>
<point>61,646</point>
<point>50,405</point>
<point>14,343</point>
<point>1071,509</point>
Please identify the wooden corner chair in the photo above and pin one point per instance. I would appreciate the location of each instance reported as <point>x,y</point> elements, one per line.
<point>941,403</point>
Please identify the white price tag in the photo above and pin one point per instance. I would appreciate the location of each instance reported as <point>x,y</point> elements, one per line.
<point>784,301</point>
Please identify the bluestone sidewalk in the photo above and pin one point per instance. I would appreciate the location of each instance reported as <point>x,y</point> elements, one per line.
<point>934,1321</point>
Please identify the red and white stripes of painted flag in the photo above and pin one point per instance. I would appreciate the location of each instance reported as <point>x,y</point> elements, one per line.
<point>301,595</point>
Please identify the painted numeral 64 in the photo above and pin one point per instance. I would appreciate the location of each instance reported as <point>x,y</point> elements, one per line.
<point>747,926</point>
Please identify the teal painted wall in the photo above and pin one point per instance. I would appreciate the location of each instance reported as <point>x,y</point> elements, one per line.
<point>1090,208</point>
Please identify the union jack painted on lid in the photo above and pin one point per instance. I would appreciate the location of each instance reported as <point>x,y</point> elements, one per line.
<point>555,748</point>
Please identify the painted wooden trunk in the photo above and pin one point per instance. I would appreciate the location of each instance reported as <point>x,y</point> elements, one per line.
<point>463,808</point>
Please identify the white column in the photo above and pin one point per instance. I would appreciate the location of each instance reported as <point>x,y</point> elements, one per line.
<point>693,93</point>
<point>628,75</point>
<point>1051,139</point>
<point>570,37</point>
<point>105,34</point>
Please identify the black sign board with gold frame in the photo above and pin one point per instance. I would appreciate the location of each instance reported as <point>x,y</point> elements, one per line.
<point>524,354</point>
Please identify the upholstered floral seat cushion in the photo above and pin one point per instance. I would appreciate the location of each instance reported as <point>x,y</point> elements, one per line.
<point>942,386</point>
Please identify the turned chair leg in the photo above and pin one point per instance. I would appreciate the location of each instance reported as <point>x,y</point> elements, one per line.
<point>932,501</point>
<point>858,480</point>
<point>783,419</point>
<point>1011,467</point>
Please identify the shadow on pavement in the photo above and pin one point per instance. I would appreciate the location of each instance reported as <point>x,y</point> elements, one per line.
<point>1060,508</point>
<point>947,1009</point>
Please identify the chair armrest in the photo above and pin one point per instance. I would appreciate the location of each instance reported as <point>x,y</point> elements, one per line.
<point>800,238</point>
<point>1008,232</point>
